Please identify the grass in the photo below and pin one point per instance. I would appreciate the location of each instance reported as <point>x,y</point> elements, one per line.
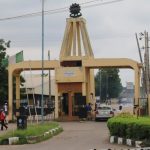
<point>32,130</point>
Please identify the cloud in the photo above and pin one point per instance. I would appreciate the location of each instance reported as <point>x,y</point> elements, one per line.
<point>111,27</point>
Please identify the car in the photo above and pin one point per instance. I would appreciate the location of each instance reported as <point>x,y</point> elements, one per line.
<point>104,112</point>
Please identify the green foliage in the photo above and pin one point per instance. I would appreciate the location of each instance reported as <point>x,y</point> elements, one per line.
<point>32,130</point>
<point>129,126</point>
<point>4,74</point>
<point>110,83</point>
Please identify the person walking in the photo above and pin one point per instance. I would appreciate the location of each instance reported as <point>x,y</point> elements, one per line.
<point>6,108</point>
<point>89,111</point>
<point>2,119</point>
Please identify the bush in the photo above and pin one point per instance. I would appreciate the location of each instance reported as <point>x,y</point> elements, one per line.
<point>128,126</point>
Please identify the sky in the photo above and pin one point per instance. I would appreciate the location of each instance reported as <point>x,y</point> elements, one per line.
<point>111,28</point>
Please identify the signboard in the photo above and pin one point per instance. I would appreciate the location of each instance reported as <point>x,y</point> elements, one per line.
<point>69,73</point>
<point>72,74</point>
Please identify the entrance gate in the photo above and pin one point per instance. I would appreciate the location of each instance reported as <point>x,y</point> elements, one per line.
<point>73,72</point>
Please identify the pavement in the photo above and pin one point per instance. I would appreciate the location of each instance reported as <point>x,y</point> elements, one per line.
<point>11,127</point>
<point>76,136</point>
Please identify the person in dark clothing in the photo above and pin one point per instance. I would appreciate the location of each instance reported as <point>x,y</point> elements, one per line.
<point>82,112</point>
<point>89,111</point>
<point>2,119</point>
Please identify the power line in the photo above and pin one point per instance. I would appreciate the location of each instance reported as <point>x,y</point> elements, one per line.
<point>59,10</point>
<point>32,15</point>
<point>104,3</point>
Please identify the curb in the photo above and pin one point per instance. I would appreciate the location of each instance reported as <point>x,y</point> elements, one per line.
<point>146,148</point>
<point>51,132</point>
<point>128,142</point>
<point>31,139</point>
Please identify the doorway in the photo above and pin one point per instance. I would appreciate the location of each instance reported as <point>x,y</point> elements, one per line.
<point>78,102</point>
<point>65,103</point>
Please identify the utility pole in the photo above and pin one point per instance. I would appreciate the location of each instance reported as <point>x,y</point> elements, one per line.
<point>138,45</point>
<point>148,74</point>
<point>100,76</point>
<point>49,78</point>
<point>106,86</point>
<point>147,62</point>
<point>107,95</point>
<point>143,69</point>
<point>42,100</point>
<point>147,69</point>
<point>50,103</point>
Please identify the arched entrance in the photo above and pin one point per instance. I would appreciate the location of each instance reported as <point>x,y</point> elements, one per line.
<point>78,85</point>
<point>74,76</point>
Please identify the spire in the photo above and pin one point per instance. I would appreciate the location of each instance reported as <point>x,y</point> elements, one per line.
<point>76,43</point>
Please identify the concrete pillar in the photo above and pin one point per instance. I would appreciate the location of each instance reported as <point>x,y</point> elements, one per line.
<point>10,96</point>
<point>56,100</point>
<point>88,86</point>
<point>17,92</point>
<point>137,87</point>
<point>70,104</point>
<point>92,85</point>
<point>84,83</point>
<point>83,89</point>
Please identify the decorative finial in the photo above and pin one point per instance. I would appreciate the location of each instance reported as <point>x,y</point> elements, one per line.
<point>75,10</point>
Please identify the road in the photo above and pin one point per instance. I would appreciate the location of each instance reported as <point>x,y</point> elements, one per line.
<point>76,136</point>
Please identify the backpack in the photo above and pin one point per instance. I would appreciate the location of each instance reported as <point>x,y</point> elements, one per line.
<point>2,116</point>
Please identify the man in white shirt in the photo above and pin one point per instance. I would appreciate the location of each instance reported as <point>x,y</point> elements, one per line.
<point>6,109</point>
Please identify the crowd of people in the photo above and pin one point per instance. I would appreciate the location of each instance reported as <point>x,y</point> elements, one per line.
<point>3,114</point>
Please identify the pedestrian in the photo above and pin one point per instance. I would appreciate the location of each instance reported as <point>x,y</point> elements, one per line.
<point>89,111</point>
<point>6,108</point>
<point>95,107</point>
<point>3,119</point>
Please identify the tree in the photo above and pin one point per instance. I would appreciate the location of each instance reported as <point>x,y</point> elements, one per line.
<point>4,74</point>
<point>108,83</point>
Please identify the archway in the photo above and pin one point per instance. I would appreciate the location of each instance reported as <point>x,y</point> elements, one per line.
<point>74,68</point>
<point>15,70</point>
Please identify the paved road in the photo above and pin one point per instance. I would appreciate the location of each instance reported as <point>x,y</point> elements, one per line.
<point>76,136</point>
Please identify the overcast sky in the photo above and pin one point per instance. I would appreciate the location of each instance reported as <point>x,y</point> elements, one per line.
<point>111,28</point>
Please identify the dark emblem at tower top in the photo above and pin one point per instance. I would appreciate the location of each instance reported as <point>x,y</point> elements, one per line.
<point>75,10</point>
